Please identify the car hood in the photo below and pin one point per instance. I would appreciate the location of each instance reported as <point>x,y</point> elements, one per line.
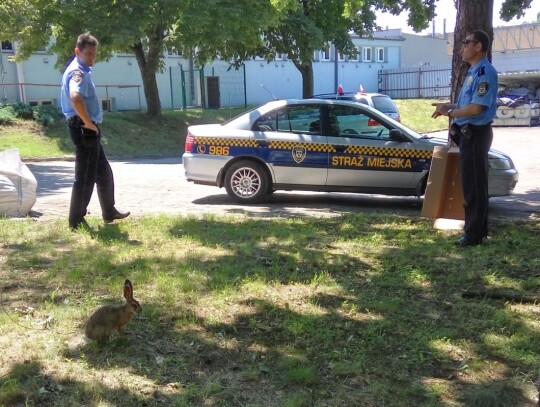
<point>438,141</point>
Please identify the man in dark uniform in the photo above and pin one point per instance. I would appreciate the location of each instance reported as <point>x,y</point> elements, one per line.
<point>471,131</point>
<point>81,107</point>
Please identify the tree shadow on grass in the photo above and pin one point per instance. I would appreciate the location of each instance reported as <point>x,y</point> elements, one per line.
<point>397,323</point>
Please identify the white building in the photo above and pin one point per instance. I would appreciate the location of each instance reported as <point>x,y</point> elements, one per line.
<point>36,80</point>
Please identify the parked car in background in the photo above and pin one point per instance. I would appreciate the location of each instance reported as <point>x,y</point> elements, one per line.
<point>383,103</point>
<point>319,145</point>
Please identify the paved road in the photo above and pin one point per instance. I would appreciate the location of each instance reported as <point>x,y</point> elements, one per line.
<point>158,186</point>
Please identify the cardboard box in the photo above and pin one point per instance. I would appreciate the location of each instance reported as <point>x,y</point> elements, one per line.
<point>444,195</point>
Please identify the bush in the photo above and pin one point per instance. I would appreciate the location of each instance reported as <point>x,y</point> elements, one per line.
<point>7,114</point>
<point>46,114</point>
<point>23,110</point>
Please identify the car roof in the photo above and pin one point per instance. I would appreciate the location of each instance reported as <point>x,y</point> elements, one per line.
<point>348,94</point>
<point>254,114</point>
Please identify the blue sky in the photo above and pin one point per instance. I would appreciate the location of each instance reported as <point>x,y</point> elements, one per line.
<point>446,9</point>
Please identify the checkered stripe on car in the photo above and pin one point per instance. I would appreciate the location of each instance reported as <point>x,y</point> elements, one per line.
<point>214,141</point>
<point>388,152</point>
<point>288,145</point>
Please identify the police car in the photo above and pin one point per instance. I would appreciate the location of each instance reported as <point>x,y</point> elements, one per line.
<point>319,145</point>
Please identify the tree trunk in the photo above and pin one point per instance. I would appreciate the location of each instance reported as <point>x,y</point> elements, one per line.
<point>148,65</point>
<point>307,78</point>
<point>471,15</point>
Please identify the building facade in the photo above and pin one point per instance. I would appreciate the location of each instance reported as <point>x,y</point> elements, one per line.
<point>182,84</point>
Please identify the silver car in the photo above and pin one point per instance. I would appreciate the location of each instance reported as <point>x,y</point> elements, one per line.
<point>383,103</point>
<point>319,145</point>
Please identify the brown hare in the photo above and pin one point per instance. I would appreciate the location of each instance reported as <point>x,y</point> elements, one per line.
<point>109,318</point>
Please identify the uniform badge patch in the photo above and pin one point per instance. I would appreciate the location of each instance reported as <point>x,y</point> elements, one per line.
<point>469,80</point>
<point>483,88</point>
<point>77,76</point>
<point>299,153</point>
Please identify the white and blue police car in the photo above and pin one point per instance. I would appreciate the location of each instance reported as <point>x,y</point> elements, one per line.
<point>319,145</point>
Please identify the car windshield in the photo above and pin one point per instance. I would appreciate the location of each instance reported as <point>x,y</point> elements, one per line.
<point>384,104</point>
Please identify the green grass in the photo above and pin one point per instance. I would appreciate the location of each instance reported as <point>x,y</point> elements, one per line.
<point>357,310</point>
<point>361,310</point>
<point>124,134</point>
<point>416,114</point>
<point>128,135</point>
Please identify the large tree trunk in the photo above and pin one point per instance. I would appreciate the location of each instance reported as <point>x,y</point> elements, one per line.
<point>307,78</point>
<point>471,15</point>
<point>149,64</point>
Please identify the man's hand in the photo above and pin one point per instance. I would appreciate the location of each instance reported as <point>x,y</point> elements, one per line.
<point>91,126</point>
<point>441,109</point>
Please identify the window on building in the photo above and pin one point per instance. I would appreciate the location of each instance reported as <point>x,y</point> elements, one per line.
<point>356,57</point>
<point>325,53</point>
<point>366,54</point>
<point>380,54</point>
<point>7,46</point>
<point>173,52</point>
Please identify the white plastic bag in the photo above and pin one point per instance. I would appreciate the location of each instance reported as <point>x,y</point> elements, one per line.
<point>18,186</point>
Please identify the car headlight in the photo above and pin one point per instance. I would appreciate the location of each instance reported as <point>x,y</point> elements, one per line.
<point>500,164</point>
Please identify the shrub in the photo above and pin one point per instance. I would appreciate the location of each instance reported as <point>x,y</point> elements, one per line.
<point>23,110</point>
<point>43,114</point>
<point>7,114</point>
<point>46,114</point>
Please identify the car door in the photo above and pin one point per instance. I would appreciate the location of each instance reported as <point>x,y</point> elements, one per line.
<point>291,143</point>
<point>365,155</point>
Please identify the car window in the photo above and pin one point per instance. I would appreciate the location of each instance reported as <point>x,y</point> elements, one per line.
<point>299,119</point>
<point>266,122</point>
<point>353,122</point>
<point>384,104</point>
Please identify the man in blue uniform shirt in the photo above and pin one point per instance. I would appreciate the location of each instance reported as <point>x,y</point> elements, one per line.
<point>471,131</point>
<point>81,107</point>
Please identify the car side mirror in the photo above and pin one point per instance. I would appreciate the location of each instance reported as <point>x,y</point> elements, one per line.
<point>397,135</point>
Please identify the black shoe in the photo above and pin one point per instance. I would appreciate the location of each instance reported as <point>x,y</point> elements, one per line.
<point>115,215</point>
<point>80,225</point>
<point>467,241</point>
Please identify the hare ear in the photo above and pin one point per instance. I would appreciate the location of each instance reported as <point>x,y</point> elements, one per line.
<point>128,290</point>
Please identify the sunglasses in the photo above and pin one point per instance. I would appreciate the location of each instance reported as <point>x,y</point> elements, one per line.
<point>465,41</point>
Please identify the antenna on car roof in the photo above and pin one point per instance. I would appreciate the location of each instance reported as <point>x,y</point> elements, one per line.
<point>271,94</point>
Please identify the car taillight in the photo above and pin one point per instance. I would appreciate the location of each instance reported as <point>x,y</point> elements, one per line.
<point>190,140</point>
<point>372,122</point>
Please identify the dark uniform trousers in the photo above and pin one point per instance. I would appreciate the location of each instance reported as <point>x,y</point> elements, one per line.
<point>91,168</point>
<point>473,152</point>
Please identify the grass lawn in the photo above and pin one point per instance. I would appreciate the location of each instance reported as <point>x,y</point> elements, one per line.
<point>371,309</point>
<point>361,310</point>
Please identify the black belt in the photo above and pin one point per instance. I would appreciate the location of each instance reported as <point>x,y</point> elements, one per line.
<point>77,121</point>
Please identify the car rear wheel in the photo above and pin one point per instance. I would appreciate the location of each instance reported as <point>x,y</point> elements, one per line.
<point>247,182</point>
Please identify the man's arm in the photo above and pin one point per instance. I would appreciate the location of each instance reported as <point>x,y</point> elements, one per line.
<point>80,107</point>
<point>447,109</point>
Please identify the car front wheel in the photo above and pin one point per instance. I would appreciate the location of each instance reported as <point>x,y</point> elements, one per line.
<point>247,182</point>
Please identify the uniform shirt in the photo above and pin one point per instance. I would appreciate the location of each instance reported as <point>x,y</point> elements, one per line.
<point>480,88</point>
<point>78,78</point>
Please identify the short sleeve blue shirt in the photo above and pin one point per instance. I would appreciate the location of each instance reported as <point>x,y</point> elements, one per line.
<point>78,78</point>
<point>480,88</point>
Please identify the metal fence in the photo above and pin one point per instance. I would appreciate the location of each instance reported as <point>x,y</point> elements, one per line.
<point>426,81</point>
<point>210,87</point>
